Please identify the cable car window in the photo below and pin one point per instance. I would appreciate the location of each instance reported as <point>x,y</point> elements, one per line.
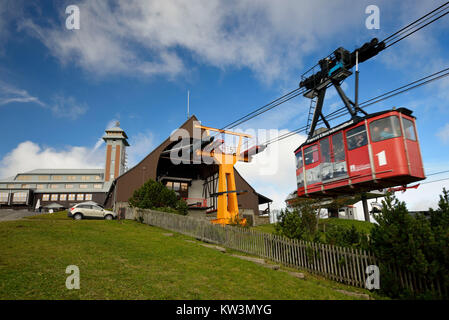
<point>356,137</point>
<point>327,167</point>
<point>338,147</point>
<point>409,129</point>
<point>325,150</point>
<point>299,160</point>
<point>311,155</point>
<point>384,129</point>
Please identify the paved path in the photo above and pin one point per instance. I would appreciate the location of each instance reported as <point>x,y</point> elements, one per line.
<point>9,215</point>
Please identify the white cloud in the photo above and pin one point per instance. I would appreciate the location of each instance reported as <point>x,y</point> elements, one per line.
<point>9,94</point>
<point>67,107</point>
<point>61,106</point>
<point>425,196</point>
<point>29,156</point>
<point>443,134</point>
<point>143,37</point>
<point>140,145</point>
<point>273,172</point>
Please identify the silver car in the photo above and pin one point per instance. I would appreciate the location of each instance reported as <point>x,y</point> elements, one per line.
<point>90,210</point>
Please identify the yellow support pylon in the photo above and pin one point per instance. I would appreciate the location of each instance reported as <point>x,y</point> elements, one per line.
<point>227,203</point>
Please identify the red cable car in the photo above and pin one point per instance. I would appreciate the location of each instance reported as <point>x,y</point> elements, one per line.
<point>371,152</point>
<point>376,151</point>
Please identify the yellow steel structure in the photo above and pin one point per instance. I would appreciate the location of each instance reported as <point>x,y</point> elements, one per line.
<point>227,204</point>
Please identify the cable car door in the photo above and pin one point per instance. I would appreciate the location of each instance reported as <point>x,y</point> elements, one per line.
<point>338,156</point>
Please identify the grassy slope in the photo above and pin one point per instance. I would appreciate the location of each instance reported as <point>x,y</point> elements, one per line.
<point>128,260</point>
<point>361,226</point>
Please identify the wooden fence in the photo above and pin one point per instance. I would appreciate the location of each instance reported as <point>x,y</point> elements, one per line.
<point>345,265</point>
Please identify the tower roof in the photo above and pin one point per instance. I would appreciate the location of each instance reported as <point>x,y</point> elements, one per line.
<point>116,133</point>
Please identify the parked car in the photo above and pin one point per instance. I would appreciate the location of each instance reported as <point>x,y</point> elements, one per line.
<point>89,210</point>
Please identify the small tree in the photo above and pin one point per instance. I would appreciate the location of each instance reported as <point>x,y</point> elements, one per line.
<point>301,222</point>
<point>154,195</point>
<point>416,244</point>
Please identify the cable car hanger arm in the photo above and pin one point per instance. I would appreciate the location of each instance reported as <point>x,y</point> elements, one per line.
<point>335,68</point>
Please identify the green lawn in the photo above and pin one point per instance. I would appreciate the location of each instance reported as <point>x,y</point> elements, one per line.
<point>361,226</point>
<point>129,260</point>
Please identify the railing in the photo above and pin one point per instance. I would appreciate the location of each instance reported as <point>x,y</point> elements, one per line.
<point>196,202</point>
<point>345,265</point>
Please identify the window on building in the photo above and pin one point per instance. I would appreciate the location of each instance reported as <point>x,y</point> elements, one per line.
<point>83,186</point>
<point>54,186</point>
<point>62,197</point>
<point>4,197</point>
<point>43,178</point>
<point>57,177</point>
<point>20,197</point>
<point>80,197</point>
<point>176,186</point>
<point>25,186</point>
<point>23,178</point>
<point>88,197</point>
<point>97,177</point>
<point>169,185</point>
<point>184,186</point>
<point>54,197</point>
<point>40,186</point>
<point>357,137</point>
<point>45,197</point>
<point>85,178</point>
<point>98,186</point>
<point>69,186</point>
<point>385,128</point>
<point>10,186</point>
<point>71,177</point>
<point>72,197</point>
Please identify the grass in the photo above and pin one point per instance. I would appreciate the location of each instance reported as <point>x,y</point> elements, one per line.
<point>362,226</point>
<point>129,260</point>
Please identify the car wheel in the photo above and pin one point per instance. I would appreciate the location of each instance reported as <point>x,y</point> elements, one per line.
<point>78,216</point>
<point>108,217</point>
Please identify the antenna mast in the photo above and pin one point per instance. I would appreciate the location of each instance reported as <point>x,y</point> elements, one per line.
<point>188,104</point>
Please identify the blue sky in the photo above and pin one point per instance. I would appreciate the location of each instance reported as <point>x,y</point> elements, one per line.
<point>134,61</point>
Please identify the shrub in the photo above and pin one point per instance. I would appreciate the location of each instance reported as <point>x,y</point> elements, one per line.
<point>415,244</point>
<point>298,223</point>
<point>154,195</point>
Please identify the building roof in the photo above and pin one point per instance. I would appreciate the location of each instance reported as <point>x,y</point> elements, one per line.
<point>263,199</point>
<point>64,171</point>
<point>116,133</point>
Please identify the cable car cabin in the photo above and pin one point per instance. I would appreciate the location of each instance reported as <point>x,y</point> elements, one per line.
<point>366,153</point>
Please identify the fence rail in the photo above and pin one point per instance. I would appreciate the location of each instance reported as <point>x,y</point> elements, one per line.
<point>345,265</point>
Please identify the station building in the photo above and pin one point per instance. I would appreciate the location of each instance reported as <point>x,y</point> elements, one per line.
<point>113,185</point>
<point>196,183</point>
<point>66,187</point>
